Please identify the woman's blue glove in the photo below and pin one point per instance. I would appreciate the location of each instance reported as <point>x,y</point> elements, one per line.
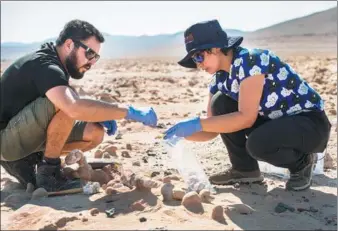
<point>147,116</point>
<point>184,128</point>
<point>111,126</point>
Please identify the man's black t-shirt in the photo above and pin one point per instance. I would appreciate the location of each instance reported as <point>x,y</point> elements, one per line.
<point>28,78</point>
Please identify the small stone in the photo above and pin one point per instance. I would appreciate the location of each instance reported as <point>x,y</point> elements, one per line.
<point>118,136</point>
<point>237,185</point>
<point>128,146</point>
<point>111,150</point>
<point>118,185</point>
<point>38,193</point>
<point>104,186</point>
<point>136,163</point>
<point>166,179</point>
<point>106,155</point>
<point>143,219</point>
<point>192,202</point>
<point>98,154</point>
<point>178,194</point>
<point>145,159</point>
<point>241,208</point>
<point>153,174</point>
<point>281,207</point>
<point>205,196</point>
<point>217,214</point>
<point>84,219</point>
<point>167,192</point>
<point>167,173</point>
<point>125,154</point>
<point>94,211</point>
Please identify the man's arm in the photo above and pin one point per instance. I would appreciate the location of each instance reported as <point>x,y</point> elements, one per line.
<point>65,99</point>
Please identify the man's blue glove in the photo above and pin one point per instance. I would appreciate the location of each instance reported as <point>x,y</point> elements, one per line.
<point>111,126</point>
<point>147,116</point>
<point>184,128</point>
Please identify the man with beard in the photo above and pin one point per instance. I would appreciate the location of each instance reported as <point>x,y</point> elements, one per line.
<point>42,117</point>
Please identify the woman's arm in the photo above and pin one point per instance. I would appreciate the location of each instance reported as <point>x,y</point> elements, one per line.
<point>204,136</point>
<point>250,94</point>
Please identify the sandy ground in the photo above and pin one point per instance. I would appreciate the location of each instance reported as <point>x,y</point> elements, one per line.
<point>177,93</point>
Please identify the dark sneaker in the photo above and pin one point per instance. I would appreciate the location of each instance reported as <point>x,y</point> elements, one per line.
<point>302,179</point>
<point>232,176</point>
<point>50,177</point>
<point>24,170</point>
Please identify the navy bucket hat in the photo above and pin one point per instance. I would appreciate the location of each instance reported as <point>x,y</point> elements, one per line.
<point>206,35</point>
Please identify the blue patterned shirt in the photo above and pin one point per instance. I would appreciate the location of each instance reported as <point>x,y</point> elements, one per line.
<point>284,92</point>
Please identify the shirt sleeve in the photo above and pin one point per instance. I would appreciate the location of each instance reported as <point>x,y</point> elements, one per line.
<point>48,77</point>
<point>213,89</point>
<point>254,62</point>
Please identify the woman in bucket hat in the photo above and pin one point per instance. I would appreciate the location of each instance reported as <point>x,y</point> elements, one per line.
<point>262,109</point>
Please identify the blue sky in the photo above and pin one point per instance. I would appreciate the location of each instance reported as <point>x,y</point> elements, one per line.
<point>31,21</point>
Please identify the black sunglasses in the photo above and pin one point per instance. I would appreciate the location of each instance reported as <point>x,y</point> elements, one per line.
<point>89,52</point>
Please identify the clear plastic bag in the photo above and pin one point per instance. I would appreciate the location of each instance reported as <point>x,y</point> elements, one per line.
<point>187,165</point>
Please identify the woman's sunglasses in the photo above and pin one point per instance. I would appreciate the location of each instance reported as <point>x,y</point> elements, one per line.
<point>89,52</point>
<point>198,57</point>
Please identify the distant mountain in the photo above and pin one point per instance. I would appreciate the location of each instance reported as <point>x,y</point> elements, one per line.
<point>320,23</point>
<point>119,46</point>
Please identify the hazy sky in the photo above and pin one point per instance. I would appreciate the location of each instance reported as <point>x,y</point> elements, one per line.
<point>35,21</point>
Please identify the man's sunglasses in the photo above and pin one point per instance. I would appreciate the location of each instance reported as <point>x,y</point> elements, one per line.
<point>198,57</point>
<point>89,52</point>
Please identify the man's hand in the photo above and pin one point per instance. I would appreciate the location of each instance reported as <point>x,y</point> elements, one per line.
<point>147,116</point>
<point>184,128</point>
<point>111,126</point>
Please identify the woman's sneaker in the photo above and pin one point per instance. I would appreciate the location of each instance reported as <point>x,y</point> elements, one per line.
<point>232,176</point>
<point>302,179</point>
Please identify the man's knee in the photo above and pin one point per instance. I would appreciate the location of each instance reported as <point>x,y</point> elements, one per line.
<point>94,133</point>
<point>222,104</point>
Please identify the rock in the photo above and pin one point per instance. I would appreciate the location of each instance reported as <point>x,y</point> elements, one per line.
<point>155,173</point>
<point>128,147</point>
<point>125,154</point>
<point>241,208</point>
<point>74,157</point>
<point>106,155</point>
<point>136,163</point>
<point>30,188</point>
<point>38,193</point>
<point>100,176</point>
<point>192,202</point>
<point>85,172</point>
<point>205,196</point>
<point>110,191</point>
<point>217,214</point>
<point>143,219</point>
<point>17,199</point>
<point>281,207</point>
<point>111,150</point>
<point>178,194</point>
<point>98,154</point>
<point>94,211</point>
<point>145,159</point>
<point>104,186</point>
<point>143,183</point>
<point>167,192</point>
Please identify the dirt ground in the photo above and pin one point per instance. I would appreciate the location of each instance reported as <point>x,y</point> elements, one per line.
<point>177,93</point>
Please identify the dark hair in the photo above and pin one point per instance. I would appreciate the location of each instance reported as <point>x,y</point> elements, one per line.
<point>78,30</point>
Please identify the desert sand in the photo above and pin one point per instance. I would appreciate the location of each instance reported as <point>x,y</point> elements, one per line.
<point>177,93</point>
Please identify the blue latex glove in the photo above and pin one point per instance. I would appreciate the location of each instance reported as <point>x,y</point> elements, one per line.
<point>111,126</point>
<point>184,128</point>
<point>147,116</point>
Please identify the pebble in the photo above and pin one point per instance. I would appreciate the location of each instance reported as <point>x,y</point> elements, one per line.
<point>94,211</point>
<point>38,193</point>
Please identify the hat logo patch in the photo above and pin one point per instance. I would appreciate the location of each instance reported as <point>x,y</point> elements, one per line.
<point>189,38</point>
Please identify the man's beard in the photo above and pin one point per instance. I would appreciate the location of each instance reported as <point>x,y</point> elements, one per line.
<point>72,69</point>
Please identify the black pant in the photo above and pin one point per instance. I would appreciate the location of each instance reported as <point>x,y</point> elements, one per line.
<point>283,142</point>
